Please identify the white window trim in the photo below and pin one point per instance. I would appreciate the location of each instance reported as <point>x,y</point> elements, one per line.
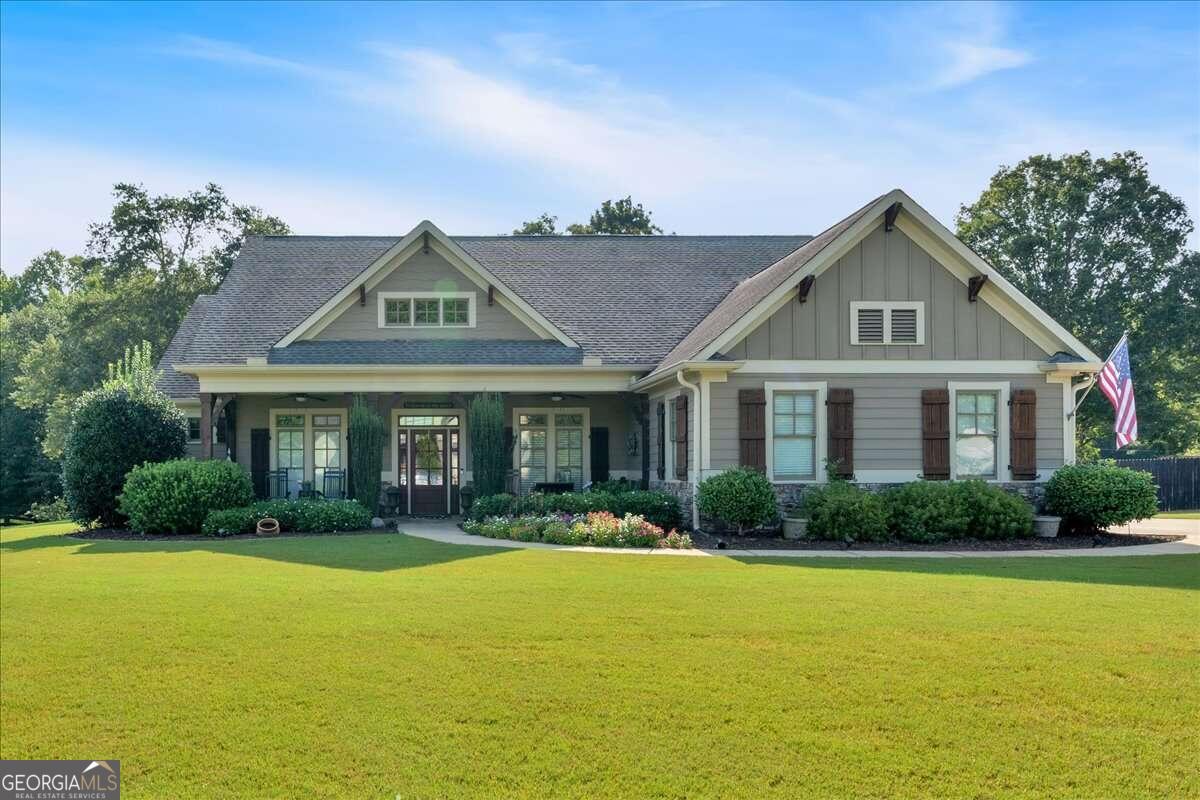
<point>668,402</point>
<point>551,450</point>
<point>397,413</point>
<point>383,297</point>
<point>822,433</point>
<point>887,306</point>
<point>309,447</point>
<point>199,433</point>
<point>1001,388</point>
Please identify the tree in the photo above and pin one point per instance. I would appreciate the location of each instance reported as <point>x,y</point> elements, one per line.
<point>200,233</point>
<point>489,459</point>
<point>368,433</point>
<point>542,226</point>
<point>1095,240</point>
<point>619,217</point>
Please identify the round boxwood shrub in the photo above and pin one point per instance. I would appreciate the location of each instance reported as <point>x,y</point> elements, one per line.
<point>740,497</point>
<point>926,511</point>
<point>844,512</point>
<point>113,431</point>
<point>176,496</point>
<point>1094,496</point>
<point>993,512</point>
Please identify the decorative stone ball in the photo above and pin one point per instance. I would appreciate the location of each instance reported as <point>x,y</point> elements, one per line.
<point>376,522</point>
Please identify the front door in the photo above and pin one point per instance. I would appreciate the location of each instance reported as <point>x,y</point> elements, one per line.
<point>429,471</point>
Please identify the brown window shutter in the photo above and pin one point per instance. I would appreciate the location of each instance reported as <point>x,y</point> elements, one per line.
<point>681,436</point>
<point>935,434</point>
<point>662,441</point>
<point>752,429</point>
<point>840,407</point>
<point>1022,434</point>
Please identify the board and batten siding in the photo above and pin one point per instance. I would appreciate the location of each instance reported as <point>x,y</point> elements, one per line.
<point>886,266</point>
<point>887,416</point>
<point>426,273</point>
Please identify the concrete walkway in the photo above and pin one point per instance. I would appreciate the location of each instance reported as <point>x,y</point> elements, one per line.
<point>447,531</point>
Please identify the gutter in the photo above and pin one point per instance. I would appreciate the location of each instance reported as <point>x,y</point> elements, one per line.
<point>695,389</point>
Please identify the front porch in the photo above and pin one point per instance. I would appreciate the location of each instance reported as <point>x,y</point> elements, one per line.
<point>298,443</point>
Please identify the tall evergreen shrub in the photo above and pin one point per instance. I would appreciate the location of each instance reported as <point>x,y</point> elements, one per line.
<point>367,434</point>
<point>489,461</point>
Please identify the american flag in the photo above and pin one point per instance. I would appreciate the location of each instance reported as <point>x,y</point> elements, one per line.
<point>1116,381</point>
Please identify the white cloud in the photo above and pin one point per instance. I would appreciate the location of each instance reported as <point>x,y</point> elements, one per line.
<point>969,61</point>
<point>51,190</point>
<point>962,42</point>
<point>539,50</point>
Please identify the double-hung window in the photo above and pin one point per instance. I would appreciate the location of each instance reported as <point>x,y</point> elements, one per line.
<point>979,430</point>
<point>552,446</point>
<point>426,309</point>
<point>796,430</point>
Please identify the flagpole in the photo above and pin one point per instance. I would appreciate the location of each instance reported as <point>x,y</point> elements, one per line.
<point>1124,336</point>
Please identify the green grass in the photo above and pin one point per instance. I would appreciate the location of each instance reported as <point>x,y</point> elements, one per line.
<point>384,665</point>
<point>1178,515</point>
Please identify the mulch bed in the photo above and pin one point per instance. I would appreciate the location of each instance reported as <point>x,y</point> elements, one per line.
<point>124,534</point>
<point>734,542</point>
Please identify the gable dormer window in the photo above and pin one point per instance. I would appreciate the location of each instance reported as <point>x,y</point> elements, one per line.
<point>887,322</point>
<point>427,309</point>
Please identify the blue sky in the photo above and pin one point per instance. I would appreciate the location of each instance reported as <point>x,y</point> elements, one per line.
<point>720,117</point>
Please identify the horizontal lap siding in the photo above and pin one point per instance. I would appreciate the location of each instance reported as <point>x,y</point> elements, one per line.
<point>887,416</point>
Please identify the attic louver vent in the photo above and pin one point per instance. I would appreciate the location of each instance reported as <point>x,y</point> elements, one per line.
<point>870,325</point>
<point>904,325</point>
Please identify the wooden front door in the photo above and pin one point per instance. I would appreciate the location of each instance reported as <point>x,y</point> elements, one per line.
<point>429,470</point>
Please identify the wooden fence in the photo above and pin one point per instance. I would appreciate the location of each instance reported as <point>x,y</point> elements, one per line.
<point>1178,480</point>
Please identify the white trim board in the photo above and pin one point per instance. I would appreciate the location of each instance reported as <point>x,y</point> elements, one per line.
<point>897,367</point>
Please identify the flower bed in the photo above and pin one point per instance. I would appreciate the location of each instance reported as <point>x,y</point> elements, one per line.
<point>598,528</point>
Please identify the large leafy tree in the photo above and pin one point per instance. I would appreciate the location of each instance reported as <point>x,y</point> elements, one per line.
<point>545,225</point>
<point>144,267</point>
<point>1101,246</point>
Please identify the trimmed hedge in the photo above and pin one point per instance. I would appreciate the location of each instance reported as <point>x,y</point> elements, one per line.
<point>112,431</point>
<point>1095,496</point>
<point>301,516</point>
<point>741,497</point>
<point>657,508</point>
<point>924,512</point>
<point>176,496</point>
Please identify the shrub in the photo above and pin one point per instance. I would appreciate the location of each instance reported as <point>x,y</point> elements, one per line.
<point>490,460</point>
<point>368,432</point>
<point>53,511</point>
<point>112,431</point>
<point>176,496</point>
<point>659,508</point>
<point>301,516</point>
<point>496,505</point>
<point>994,513</point>
<point>926,511</point>
<point>1095,496</point>
<point>598,528</point>
<point>742,497</point>
<point>613,486</point>
<point>844,512</point>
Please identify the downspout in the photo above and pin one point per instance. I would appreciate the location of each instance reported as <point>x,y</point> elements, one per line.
<point>695,446</point>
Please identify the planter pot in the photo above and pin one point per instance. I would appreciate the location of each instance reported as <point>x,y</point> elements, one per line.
<point>795,528</point>
<point>1046,527</point>
<point>267,526</point>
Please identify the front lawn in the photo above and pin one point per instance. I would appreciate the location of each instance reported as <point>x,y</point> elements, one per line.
<point>1178,515</point>
<point>383,665</point>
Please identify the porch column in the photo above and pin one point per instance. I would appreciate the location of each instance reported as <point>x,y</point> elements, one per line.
<point>206,427</point>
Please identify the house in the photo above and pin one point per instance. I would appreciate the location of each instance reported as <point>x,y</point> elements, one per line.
<point>882,346</point>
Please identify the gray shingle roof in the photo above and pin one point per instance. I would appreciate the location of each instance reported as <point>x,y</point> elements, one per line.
<point>177,384</point>
<point>427,351</point>
<point>750,292</point>
<point>625,299</point>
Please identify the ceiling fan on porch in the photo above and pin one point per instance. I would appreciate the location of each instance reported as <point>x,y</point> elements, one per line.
<point>300,397</point>
<point>557,398</point>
